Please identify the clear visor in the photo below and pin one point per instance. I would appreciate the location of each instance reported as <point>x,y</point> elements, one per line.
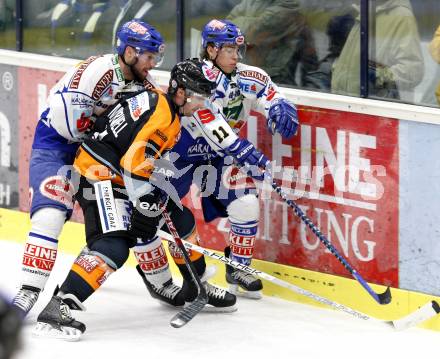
<point>193,96</point>
<point>238,50</point>
<point>155,57</point>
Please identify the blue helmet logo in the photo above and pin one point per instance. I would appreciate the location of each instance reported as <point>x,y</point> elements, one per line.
<point>141,36</point>
<point>221,32</point>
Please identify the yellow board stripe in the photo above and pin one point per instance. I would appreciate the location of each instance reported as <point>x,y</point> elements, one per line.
<point>14,226</point>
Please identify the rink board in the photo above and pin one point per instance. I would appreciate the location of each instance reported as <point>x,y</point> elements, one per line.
<point>386,226</point>
<point>15,225</point>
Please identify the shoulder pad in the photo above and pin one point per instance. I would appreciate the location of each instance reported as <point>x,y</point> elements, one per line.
<point>251,80</point>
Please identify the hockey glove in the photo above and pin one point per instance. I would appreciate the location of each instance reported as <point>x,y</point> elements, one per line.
<point>246,155</point>
<point>282,118</point>
<point>146,215</point>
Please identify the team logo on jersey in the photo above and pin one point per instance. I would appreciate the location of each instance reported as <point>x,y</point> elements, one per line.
<point>102,84</point>
<point>74,82</point>
<point>59,189</point>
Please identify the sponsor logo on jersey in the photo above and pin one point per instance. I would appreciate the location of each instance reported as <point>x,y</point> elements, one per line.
<point>247,87</point>
<point>138,105</point>
<point>84,123</point>
<point>74,82</point>
<point>39,257</point>
<point>161,135</point>
<point>102,84</point>
<point>254,75</point>
<point>149,206</point>
<point>148,85</point>
<point>270,93</point>
<point>205,115</point>
<point>117,120</point>
<point>198,149</point>
<point>233,179</point>
<point>81,101</point>
<point>59,189</point>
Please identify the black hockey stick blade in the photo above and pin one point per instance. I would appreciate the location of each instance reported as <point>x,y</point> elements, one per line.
<point>190,311</point>
<point>385,297</point>
<point>428,311</point>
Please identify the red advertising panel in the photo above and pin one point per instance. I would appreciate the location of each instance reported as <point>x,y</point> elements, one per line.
<point>342,169</point>
<point>34,87</point>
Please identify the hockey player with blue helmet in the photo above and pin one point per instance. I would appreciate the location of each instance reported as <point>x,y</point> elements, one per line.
<point>209,139</point>
<point>82,94</point>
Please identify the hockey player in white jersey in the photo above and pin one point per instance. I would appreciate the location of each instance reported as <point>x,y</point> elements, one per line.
<point>209,139</point>
<point>84,92</point>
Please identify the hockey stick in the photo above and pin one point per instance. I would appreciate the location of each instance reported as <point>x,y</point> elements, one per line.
<point>426,312</point>
<point>381,298</point>
<point>265,276</point>
<point>190,311</point>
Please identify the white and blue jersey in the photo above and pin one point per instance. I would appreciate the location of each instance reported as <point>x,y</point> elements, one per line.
<point>210,131</point>
<point>82,94</point>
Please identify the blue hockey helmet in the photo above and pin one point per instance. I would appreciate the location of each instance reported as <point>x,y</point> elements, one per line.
<point>142,37</point>
<point>221,32</point>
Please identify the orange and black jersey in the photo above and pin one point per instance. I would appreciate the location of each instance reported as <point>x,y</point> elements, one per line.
<point>131,135</point>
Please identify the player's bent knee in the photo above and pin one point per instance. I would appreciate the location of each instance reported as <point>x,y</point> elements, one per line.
<point>244,209</point>
<point>113,250</point>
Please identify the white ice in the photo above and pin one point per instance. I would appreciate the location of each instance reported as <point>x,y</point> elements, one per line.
<point>124,322</point>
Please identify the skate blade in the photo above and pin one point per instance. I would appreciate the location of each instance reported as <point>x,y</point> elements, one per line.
<point>44,330</point>
<point>211,309</point>
<point>239,292</point>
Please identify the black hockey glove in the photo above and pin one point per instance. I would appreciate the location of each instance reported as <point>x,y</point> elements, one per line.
<point>146,215</point>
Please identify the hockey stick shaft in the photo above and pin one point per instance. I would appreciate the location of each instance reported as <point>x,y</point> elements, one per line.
<point>190,311</point>
<point>268,277</point>
<point>381,298</point>
<point>420,315</point>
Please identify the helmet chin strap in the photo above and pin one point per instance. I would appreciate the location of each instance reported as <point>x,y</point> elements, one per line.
<point>131,67</point>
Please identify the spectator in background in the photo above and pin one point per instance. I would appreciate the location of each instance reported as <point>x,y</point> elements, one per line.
<point>337,31</point>
<point>278,39</point>
<point>434,49</point>
<point>396,63</point>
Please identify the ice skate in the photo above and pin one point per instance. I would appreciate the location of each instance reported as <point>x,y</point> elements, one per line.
<point>56,321</point>
<point>241,283</point>
<point>170,294</point>
<point>25,299</point>
<point>219,299</point>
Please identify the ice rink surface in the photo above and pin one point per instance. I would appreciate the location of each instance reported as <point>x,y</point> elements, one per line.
<point>124,322</point>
